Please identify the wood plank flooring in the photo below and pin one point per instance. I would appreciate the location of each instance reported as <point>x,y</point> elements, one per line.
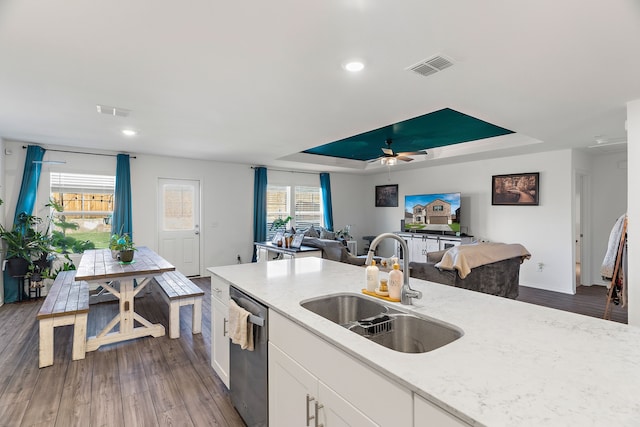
<point>149,381</point>
<point>143,382</point>
<point>588,300</point>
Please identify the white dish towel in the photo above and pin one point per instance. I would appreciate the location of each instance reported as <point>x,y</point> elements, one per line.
<point>240,330</point>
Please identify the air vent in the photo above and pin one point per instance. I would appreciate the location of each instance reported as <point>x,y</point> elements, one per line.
<point>112,111</point>
<point>430,65</point>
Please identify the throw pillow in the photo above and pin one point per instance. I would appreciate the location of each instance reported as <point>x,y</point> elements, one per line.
<point>326,234</point>
<point>311,232</point>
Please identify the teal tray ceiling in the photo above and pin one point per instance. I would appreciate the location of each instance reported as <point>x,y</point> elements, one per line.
<point>438,129</point>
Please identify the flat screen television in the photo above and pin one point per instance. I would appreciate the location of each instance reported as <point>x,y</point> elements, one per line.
<point>439,213</point>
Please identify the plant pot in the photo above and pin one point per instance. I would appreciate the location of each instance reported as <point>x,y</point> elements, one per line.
<point>126,256</point>
<point>17,267</point>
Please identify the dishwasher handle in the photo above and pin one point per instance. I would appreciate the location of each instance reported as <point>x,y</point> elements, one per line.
<point>256,320</point>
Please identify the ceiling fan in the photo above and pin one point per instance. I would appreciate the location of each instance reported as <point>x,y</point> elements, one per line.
<point>390,158</point>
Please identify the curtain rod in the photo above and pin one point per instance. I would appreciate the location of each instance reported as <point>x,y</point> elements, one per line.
<point>81,152</point>
<point>284,170</point>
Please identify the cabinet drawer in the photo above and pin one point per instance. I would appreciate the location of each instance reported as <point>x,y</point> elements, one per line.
<point>347,376</point>
<point>220,289</point>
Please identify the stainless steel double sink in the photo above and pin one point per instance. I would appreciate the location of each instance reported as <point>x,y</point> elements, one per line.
<point>383,324</point>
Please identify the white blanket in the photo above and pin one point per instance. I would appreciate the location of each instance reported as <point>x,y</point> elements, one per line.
<point>466,257</point>
<point>609,262</point>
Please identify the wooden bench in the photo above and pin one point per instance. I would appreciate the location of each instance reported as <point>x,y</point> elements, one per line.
<point>67,303</point>
<point>178,290</point>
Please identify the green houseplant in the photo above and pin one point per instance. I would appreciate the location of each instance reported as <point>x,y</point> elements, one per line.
<point>62,242</point>
<point>122,247</point>
<point>24,244</point>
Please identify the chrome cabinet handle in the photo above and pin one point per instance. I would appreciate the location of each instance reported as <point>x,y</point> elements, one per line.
<point>217,290</point>
<point>224,327</point>
<point>318,406</point>
<point>310,417</point>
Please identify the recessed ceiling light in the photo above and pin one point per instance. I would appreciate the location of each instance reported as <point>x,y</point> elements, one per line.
<point>354,66</point>
<point>129,132</point>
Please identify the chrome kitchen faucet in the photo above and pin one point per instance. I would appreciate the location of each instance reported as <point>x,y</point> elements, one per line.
<point>406,293</point>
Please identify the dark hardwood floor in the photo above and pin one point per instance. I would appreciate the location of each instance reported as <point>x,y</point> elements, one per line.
<point>588,300</point>
<point>144,382</point>
<point>149,381</point>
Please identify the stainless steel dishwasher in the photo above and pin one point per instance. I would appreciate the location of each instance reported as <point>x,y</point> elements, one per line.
<point>248,371</point>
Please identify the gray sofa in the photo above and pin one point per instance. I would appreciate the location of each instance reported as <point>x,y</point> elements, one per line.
<point>499,278</point>
<point>335,250</point>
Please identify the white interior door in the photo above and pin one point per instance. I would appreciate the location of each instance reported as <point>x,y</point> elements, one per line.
<point>179,224</point>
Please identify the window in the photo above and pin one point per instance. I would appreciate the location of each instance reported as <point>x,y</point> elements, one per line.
<point>178,204</point>
<point>87,201</point>
<point>303,205</point>
<point>308,207</point>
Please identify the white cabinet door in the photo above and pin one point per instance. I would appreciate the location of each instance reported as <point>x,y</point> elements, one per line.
<point>297,397</point>
<point>427,414</point>
<point>337,412</point>
<point>220,339</point>
<point>418,249</point>
<point>291,388</point>
<point>433,245</point>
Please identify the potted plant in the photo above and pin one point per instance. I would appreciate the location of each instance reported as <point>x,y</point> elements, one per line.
<point>60,239</point>
<point>123,246</point>
<point>280,223</point>
<point>24,244</point>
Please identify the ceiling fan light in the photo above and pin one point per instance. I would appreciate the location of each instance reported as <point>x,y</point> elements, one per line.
<point>392,161</point>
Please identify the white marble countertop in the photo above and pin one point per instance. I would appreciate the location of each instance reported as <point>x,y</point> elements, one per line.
<point>517,364</point>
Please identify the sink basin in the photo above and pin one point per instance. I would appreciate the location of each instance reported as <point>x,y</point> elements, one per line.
<point>382,324</point>
<point>345,309</point>
<point>411,334</point>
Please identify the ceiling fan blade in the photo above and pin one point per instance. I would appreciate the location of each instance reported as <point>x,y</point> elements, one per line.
<point>404,158</point>
<point>387,151</point>
<point>413,153</point>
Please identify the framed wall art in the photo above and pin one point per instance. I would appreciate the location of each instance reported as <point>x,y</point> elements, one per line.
<point>387,195</point>
<point>522,189</point>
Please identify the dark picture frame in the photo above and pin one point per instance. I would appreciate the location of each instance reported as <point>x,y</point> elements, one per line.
<point>387,196</point>
<point>520,189</point>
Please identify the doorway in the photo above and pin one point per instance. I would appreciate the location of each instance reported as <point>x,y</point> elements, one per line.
<point>581,226</point>
<point>179,224</point>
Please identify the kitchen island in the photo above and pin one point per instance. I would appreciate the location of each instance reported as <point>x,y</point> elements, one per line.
<point>517,364</point>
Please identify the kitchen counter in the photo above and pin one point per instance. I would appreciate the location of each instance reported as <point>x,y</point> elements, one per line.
<point>517,364</point>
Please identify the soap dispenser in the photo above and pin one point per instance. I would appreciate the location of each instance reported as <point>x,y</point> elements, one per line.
<point>395,282</point>
<point>372,276</point>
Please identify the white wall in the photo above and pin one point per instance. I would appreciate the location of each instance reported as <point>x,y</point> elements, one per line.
<point>633,211</point>
<point>350,199</point>
<point>545,230</point>
<point>609,201</point>
<point>227,197</point>
<point>227,205</point>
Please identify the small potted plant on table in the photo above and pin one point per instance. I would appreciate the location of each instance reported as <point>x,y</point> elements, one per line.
<point>122,247</point>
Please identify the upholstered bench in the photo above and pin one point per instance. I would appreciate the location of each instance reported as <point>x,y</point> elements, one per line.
<point>67,303</point>
<point>178,290</point>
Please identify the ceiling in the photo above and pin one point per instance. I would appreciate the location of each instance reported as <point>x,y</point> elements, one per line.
<point>261,82</point>
<point>438,129</point>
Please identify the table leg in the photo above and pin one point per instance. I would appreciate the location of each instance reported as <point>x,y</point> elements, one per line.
<point>126,319</point>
